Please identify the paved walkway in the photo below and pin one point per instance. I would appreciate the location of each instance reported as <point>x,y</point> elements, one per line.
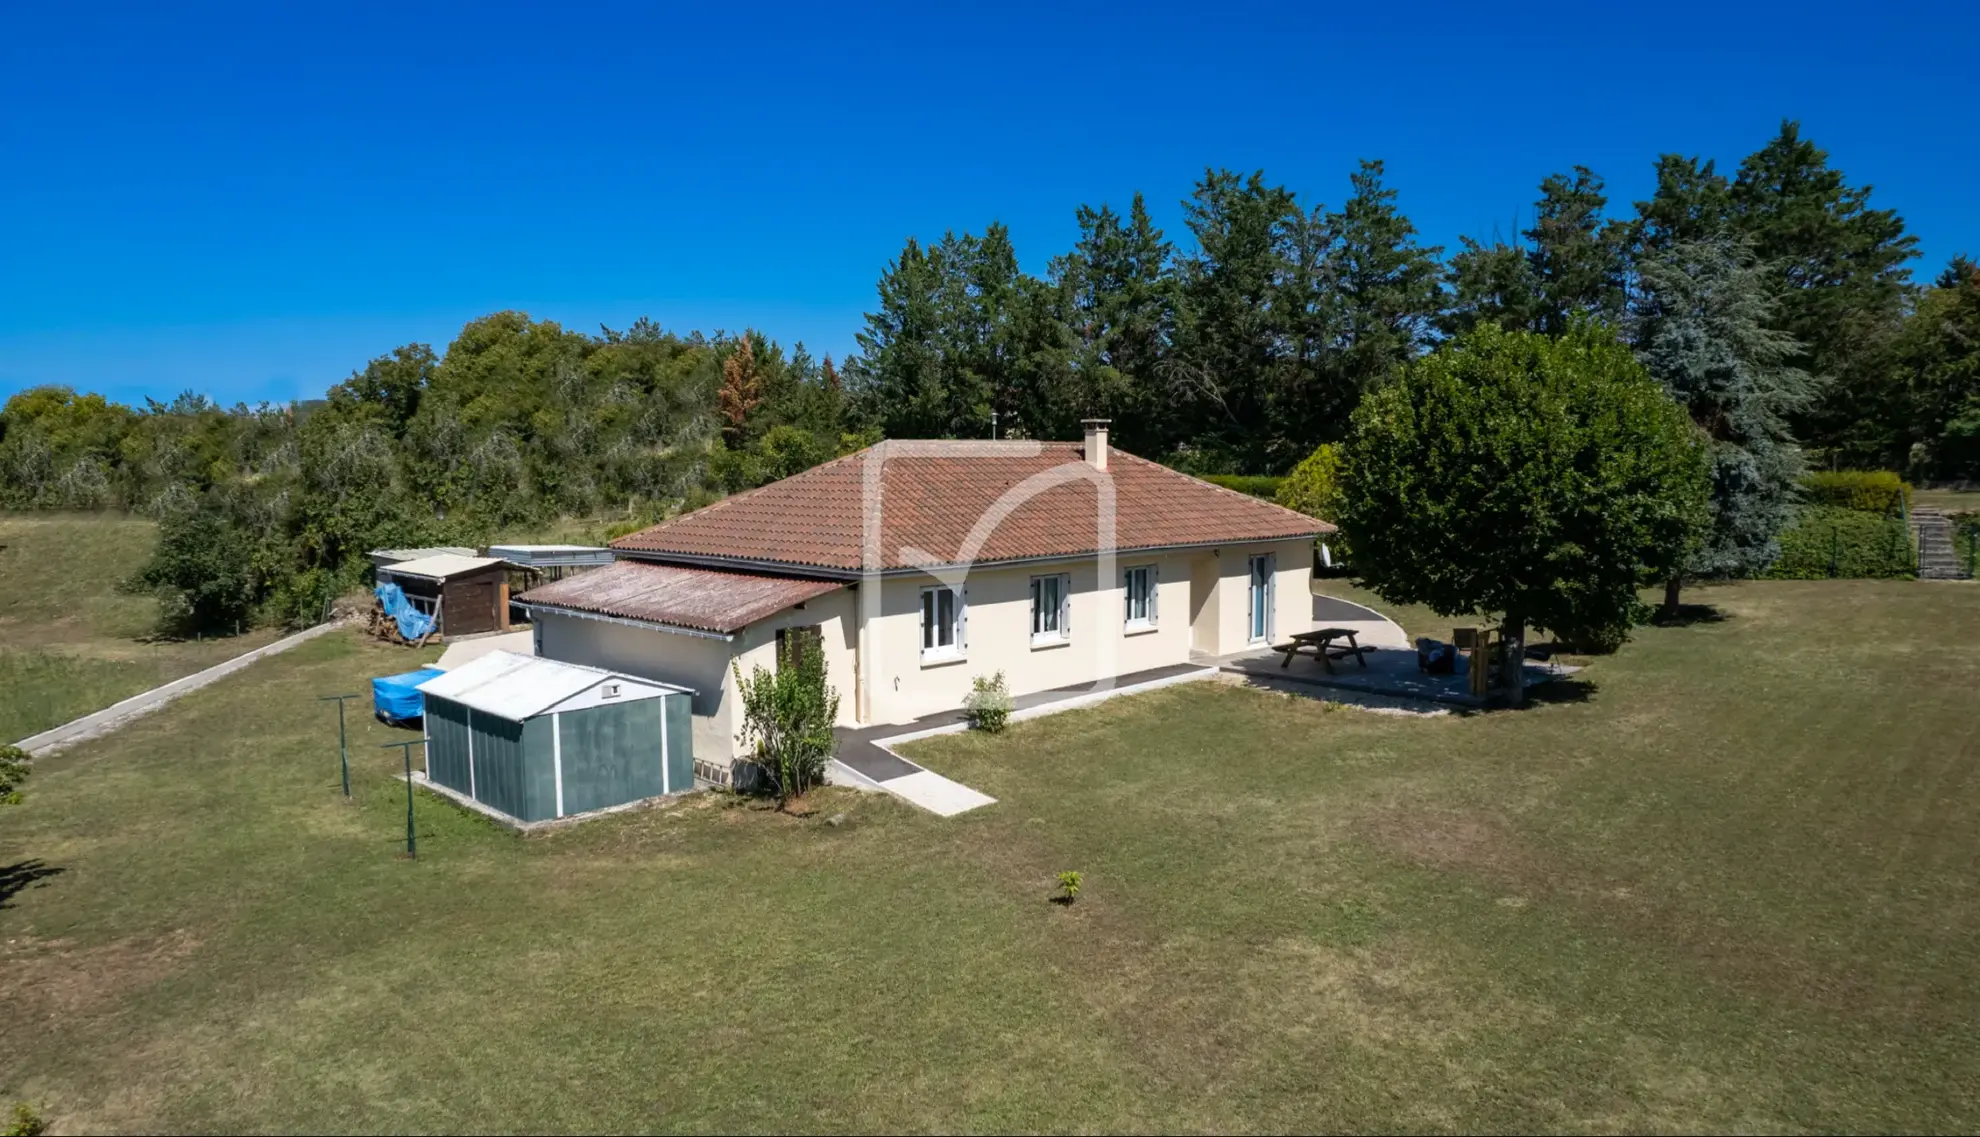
<point>117,714</point>
<point>867,753</point>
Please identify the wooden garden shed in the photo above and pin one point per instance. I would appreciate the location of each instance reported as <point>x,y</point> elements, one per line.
<point>535,739</point>
<point>465,594</point>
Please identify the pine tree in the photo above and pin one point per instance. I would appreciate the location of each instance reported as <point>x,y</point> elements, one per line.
<point>1843,269</point>
<point>741,391</point>
<point>1579,260</point>
<point>897,378</point>
<point>1231,332</point>
<point>1703,327</point>
<point>1119,309</point>
<point>1385,286</point>
<point>1692,202</point>
<point>1490,284</point>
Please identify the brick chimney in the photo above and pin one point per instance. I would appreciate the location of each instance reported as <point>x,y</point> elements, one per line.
<point>1096,441</point>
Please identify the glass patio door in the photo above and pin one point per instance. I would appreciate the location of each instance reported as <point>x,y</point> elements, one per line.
<point>1261,599</point>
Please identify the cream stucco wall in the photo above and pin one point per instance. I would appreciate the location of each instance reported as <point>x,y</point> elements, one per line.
<point>703,664</point>
<point>1101,645</point>
<point>1202,605</point>
<point>1292,606</point>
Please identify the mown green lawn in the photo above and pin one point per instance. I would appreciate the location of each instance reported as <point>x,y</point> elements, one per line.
<point>1731,883</point>
<point>70,642</point>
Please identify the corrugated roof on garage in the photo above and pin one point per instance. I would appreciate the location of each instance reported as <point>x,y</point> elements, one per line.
<point>516,687</point>
<point>708,600</point>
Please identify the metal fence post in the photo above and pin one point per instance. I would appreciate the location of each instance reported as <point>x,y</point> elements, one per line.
<point>343,750</point>
<point>412,840</point>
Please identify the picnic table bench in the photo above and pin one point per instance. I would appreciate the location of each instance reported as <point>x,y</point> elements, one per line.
<point>1321,643</point>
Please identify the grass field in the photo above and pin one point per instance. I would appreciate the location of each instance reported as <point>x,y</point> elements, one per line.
<point>1948,501</point>
<point>1733,882</point>
<point>70,643</point>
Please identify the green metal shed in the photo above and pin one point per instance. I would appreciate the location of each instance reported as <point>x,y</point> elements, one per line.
<point>538,739</point>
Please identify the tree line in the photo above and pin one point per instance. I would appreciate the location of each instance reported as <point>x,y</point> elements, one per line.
<point>520,422</point>
<point>1774,303</point>
<point>1240,349</point>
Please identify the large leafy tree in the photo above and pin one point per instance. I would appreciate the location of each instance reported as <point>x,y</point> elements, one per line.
<point>203,571</point>
<point>1579,259</point>
<point>1937,360</point>
<point>1842,267</point>
<point>1703,326</point>
<point>1542,480</point>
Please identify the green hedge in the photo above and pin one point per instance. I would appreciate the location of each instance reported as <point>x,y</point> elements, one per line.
<point>1966,539</point>
<point>1257,485</point>
<point>1825,541</point>
<point>1872,491</point>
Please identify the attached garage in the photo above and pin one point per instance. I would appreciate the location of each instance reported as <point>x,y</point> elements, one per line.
<point>535,739</point>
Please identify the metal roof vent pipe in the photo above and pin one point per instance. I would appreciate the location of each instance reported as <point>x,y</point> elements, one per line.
<point>1096,441</point>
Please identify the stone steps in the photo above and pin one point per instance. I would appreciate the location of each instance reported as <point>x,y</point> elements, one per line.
<point>1938,557</point>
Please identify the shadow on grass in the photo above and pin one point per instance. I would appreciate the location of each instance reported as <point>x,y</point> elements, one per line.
<point>1555,692</point>
<point>1687,615</point>
<point>21,875</point>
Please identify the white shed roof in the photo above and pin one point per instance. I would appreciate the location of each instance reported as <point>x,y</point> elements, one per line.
<point>392,556</point>
<point>517,687</point>
<point>440,566</point>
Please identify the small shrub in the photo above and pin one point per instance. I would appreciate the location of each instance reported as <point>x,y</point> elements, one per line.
<point>1313,488</point>
<point>15,766</point>
<point>787,721</point>
<point>1870,491</point>
<point>988,706</point>
<point>1826,541</point>
<point>26,1123</point>
<point>1966,538</point>
<point>1257,485</point>
<point>1069,882</point>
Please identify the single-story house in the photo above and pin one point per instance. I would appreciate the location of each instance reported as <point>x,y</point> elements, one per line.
<point>921,565</point>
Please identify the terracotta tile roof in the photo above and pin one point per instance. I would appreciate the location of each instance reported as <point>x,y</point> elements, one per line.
<point>937,502</point>
<point>706,599</point>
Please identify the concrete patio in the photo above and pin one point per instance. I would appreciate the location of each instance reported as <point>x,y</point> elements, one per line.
<point>1391,674</point>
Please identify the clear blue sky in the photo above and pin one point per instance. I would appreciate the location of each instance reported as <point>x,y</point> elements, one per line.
<point>253,201</point>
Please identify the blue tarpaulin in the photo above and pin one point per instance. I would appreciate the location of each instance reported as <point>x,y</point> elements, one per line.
<point>413,623</point>
<point>396,698</point>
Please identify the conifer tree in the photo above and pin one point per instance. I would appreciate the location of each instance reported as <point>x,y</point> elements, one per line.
<point>1703,327</point>
<point>1578,258</point>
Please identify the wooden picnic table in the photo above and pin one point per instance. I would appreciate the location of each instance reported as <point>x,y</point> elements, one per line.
<point>1321,643</point>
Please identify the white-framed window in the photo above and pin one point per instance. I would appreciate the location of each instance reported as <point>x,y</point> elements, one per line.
<point>941,623</point>
<point>1051,608</point>
<point>1139,585</point>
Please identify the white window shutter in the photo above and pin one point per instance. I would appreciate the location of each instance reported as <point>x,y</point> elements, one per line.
<point>1154,592</point>
<point>1065,605</point>
<point>962,619</point>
